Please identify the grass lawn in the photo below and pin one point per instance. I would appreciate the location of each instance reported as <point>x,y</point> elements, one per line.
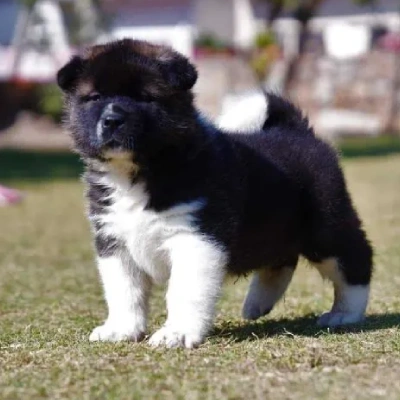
<point>50,299</point>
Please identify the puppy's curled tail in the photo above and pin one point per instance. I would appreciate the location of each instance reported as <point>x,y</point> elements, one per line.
<point>262,110</point>
<point>281,113</point>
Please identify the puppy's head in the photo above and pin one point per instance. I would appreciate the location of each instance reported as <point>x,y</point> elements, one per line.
<point>127,97</point>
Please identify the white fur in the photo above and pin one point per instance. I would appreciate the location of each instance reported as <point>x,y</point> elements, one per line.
<point>160,245</point>
<point>244,114</point>
<point>198,269</point>
<point>350,301</point>
<point>126,289</point>
<point>145,231</point>
<point>266,288</point>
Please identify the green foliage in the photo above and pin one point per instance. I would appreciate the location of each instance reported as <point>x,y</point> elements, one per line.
<point>210,41</point>
<point>367,146</point>
<point>265,53</point>
<point>36,166</point>
<point>28,3</point>
<point>50,101</point>
<point>264,39</point>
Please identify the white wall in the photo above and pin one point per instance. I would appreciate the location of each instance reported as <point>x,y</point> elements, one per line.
<point>180,37</point>
<point>169,25</point>
<point>245,24</point>
<point>215,17</point>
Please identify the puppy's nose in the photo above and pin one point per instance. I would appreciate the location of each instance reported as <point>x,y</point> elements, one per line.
<point>113,117</point>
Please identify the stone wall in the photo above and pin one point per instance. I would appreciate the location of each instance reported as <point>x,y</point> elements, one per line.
<point>365,86</point>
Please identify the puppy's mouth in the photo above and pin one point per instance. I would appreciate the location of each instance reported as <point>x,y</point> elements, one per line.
<point>113,145</point>
<point>115,148</point>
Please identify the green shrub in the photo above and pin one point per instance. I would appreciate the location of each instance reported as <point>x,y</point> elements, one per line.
<point>264,39</point>
<point>50,101</point>
<point>210,41</point>
<point>368,146</point>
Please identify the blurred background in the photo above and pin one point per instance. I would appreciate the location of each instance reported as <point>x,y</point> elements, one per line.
<point>339,60</point>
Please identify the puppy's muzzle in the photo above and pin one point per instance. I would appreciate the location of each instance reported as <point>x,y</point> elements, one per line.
<point>112,119</point>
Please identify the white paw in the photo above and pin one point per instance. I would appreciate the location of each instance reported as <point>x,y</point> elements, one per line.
<point>116,332</point>
<point>170,337</point>
<point>331,319</point>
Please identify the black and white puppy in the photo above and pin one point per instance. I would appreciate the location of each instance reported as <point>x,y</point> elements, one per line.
<point>174,199</point>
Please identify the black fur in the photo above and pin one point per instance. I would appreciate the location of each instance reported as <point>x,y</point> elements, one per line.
<point>67,75</point>
<point>270,196</point>
<point>98,196</point>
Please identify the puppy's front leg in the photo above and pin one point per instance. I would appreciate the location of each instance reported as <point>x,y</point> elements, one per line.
<point>126,289</point>
<point>197,272</point>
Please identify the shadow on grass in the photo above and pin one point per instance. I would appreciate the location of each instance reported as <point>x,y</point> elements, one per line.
<point>38,166</point>
<point>384,145</point>
<point>302,326</point>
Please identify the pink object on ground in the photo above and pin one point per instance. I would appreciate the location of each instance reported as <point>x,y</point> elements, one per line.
<point>9,196</point>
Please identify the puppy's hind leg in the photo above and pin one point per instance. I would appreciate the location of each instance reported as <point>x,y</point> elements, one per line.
<point>350,301</point>
<point>350,272</point>
<point>267,286</point>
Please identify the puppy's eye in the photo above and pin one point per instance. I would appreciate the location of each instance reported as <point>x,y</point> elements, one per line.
<point>91,97</point>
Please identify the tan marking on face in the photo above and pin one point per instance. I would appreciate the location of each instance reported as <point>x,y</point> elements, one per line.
<point>84,88</point>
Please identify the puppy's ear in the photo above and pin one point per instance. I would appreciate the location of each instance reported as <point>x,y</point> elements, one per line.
<point>68,75</point>
<point>179,72</point>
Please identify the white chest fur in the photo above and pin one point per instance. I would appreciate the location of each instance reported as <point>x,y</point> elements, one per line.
<point>144,232</point>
